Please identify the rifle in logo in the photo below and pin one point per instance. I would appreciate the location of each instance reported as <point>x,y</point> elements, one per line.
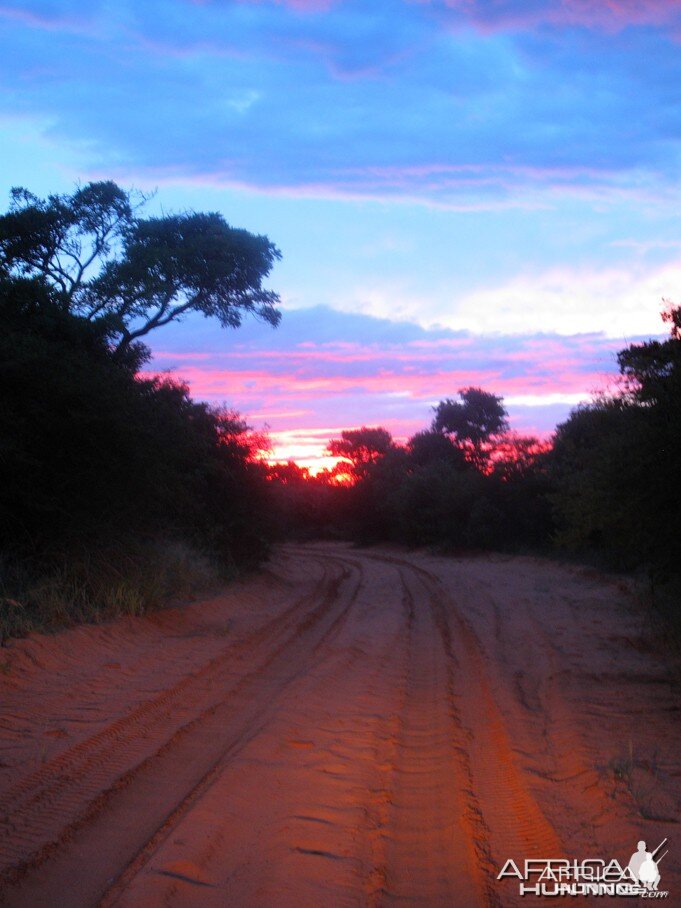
<point>644,866</point>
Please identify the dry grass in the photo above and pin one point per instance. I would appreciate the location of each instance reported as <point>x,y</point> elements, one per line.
<point>644,781</point>
<point>94,586</point>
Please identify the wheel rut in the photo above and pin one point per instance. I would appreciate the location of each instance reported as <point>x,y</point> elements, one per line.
<point>376,736</point>
<point>182,735</point>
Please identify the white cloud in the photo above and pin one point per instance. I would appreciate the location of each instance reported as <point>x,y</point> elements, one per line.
<point>243,101</point>
<point>619,302</point>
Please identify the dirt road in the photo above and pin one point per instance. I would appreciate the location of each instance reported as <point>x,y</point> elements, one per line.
<point>349,727</point>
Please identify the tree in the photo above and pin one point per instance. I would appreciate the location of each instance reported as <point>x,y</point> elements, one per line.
<point>107,264</point>
<point>615,462</point>
<point>600,468</point>
<point>429,447</point>
<point>652,370</point>
<point>518,455</point>
<point>92,454</point>
<point>63,239</point>
<point>361,449</point>
<point>472,421</point>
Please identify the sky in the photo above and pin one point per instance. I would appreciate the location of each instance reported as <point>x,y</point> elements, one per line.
<point>463,192</point>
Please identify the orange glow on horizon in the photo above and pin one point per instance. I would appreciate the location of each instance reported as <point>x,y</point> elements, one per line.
<point>303,447</point>
<point>307,448</point>
<point>313,463</point>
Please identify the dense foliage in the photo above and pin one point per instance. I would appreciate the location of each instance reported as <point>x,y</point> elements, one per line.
<point>616,462</point>
<point>99,464</point>
<point>90,449</point>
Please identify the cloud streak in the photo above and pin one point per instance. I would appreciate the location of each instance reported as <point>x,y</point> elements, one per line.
<point>515,15</point>
<point>378,372</point>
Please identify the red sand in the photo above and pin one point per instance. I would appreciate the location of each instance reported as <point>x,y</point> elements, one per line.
<point>347,728</point>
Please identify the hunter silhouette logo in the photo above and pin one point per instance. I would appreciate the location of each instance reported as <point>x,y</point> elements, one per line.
<point>551,877</point>
<point>643,866</point>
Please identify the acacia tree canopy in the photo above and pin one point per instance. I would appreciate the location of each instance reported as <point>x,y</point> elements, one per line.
<point>65,239</point>
<point>106,263</point>
<point>476,418</point>
<point>361,447</point>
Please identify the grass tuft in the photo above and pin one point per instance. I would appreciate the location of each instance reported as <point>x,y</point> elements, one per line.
<point>88,587</point>
<point>643,781</point>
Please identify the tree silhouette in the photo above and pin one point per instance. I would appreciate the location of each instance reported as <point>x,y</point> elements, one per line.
<point>429,447</point>
<point>652,370</point>
<point>65,239</point>
<point>472,422</point>
<point>107,264</point>
<point>361,449</point>
<point>615,462</point>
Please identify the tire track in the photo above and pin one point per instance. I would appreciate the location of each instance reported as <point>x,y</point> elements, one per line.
<point>364,747</point>
<point>427,840</point>
<point>507,814</point>
<point>48,808</point>
<point>499,780</point>
<point>251,723</point>
<point>441,858</point>
<point>378,816</point>
<point>111,750</point>
<point>372,844</point>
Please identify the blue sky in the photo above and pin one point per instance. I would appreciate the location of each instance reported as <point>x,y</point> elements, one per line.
<point>496,171</point>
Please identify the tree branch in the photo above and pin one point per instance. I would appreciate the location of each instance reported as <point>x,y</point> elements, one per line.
<point>162,317</point>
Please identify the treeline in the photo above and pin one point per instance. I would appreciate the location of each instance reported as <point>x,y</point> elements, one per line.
<point>608,485</point>
<point>466,482</point>
<point>117,490</point>
<point>616,463</point>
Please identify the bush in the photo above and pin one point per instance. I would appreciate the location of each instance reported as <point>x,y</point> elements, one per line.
<point>89,585</point>
<point>95,459</point>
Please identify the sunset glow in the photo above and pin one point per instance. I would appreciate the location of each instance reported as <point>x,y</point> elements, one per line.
<point>304,447</point>
<point>463,193</point>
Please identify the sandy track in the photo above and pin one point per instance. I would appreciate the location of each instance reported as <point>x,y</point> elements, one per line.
<point>348,728</point>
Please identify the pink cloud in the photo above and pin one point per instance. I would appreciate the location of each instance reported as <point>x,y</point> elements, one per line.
<point>301,6</point>
<point>608,15</point>
<point>467,187</point>
<point>46,22</point>
<point>379,373</point>
<point>417,383</point>
<point>302,433</point>
<point>437,195</point>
